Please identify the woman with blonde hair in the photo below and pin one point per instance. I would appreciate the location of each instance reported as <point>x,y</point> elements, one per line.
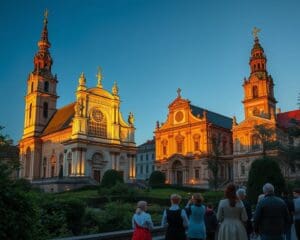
<point>142,222</point>
<point>231,213</point>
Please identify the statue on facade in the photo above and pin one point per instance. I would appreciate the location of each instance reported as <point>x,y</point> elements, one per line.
<point>79,107</point>
<point>131,118</point>
<point>115,89</point>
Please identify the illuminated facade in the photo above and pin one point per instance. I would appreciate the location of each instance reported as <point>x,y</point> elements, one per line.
<point>184,142</point>
<point>259,108</point>
<point>83,139</point>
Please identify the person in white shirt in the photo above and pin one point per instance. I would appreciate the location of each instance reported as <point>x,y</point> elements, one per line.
<point>175,219</point>
<point>141,222</point>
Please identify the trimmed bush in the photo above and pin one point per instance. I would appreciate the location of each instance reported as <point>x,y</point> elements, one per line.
<point>265,170</point>
<point>110,178</point>
<point>157,178</point>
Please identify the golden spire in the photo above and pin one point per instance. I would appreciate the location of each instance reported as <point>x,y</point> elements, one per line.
<point>255,32</point>
<point>81,82</point>
<point>115,89</point>
<point>99,77</point>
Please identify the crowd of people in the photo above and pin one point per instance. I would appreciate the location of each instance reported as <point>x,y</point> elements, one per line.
<point>274,218</point>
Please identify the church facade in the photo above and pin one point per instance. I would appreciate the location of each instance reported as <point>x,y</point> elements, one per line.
<point>260,109</point>
<point>82,139</point>
<point>184,143</point>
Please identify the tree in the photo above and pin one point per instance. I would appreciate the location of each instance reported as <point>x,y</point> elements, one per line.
<point>266,137</point>
<point>214,160</point>
<point>262,171</point>
<point>111,177</point>
<point>157,178</point>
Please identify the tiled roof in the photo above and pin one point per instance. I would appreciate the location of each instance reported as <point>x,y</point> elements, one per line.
<point>288,119</point>
<point>215,118</point>
<point>61,119</point>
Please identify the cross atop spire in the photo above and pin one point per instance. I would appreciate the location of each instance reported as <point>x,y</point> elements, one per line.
<point>46,16</point>
<point>178,92</point>
<point>255,32</point>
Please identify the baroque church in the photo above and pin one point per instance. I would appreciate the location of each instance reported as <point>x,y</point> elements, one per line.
<point>82,139</point>
<point>184,142</point>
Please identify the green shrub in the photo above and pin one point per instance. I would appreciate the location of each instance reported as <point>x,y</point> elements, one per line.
<point>74,210</point>
<point>265,170</point>
<point>157,178</point>
<point>110,178</point>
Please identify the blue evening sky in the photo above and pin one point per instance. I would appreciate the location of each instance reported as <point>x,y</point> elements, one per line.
<point>150,48</point>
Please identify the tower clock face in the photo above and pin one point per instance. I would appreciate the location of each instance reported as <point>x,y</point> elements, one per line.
<point>179,117</point>
<point>97,115</point>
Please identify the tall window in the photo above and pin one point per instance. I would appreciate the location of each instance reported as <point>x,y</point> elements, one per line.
<point>164,146</point>
<point>254,91</point>
<point>69,159</point>
<point>45,110</point>
<point>243,170</point>
<point>224,145</point>
<point>179,143</point>
<point>30,110</point>
<point>27,162</point>
<point>97,124</point>
<point>197,174</point>
<point>255,143</point>
<point>31,90</point>
<point>196,142</point>
<point>46,86</point>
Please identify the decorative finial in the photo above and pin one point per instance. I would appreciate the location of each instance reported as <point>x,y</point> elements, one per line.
<point>99,77</point>
<point>234,122</point>
<point>255,32</point>
<point>131,118</point>
<point>115,89</point>
<point>46,16</point>
<point>82,82</point>
<point>178,92</point>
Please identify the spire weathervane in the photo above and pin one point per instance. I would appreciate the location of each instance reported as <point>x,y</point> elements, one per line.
<point>255,32</point>
<point>46,16</point>
<point>99,77</point>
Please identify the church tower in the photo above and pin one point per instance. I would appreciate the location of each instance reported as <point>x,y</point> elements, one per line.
<point>258,88</point>
<point>41,97</point>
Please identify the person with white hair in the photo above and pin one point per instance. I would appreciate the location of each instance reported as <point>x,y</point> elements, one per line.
<point>142,222</point>
<point>241,194</point>
<point>271,216</point>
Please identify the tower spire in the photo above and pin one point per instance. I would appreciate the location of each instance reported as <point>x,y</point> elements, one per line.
<point>42,59</point>
<point>258,58</point>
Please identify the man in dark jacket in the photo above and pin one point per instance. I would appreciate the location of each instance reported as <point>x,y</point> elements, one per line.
<point>290,206</point>
<point>271,216</point>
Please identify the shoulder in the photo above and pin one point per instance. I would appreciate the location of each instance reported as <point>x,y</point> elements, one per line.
<point>223,202</point>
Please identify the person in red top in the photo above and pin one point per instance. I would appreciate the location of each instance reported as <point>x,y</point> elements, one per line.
<point>141,222</point>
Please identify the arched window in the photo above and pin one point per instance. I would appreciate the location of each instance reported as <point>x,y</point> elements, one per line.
<point>179,143</point>
<point>97,165</point>
<point>97,124</point>
<point>31,89</point>
<point>30,110</point>
<point>196,142</point>
<point>255,112</point>
<point>164,144</point>
<point>256,143</point>
<point>224,145</point>
<point>27,162</point>
<point>45,110</point>
<point>258,65</point>
<point>61,164</point>
<point>53,163</point>
<point>254,91</point>
<point>69,160</point>
<point>46,86</point>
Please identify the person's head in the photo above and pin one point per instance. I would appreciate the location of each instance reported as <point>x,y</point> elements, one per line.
<point>197,198</point>
<point>241,193</point>
<point>296,192</point>
<point>230,194</point>
<point>175,198</point>
<point>268,188</point>
<point>210,206</point>
<point>141,207</point>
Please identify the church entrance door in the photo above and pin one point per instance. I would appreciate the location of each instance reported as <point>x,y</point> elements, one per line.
<point>97,175</point>
<point>177,172</point>
<point>179,177</point>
